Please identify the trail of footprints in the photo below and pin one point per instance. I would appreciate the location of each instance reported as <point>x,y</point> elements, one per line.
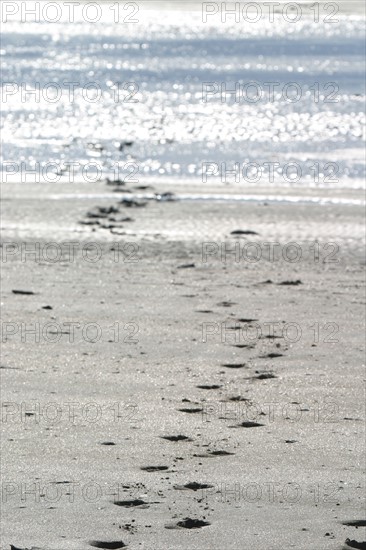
<point>112,219</point>
<point>197,523</point>
<point>194,486</point>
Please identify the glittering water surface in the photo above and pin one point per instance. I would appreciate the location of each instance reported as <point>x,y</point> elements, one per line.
<point>126,99</point>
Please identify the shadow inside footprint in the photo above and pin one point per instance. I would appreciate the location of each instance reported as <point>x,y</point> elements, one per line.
<point>264,376</point>
<point>243,232</point>
<point>271,355</point>
<point>186,266</point>
<point>111,544</point>
<point>234,365</point>
<point>154,468</point>
<point>356,544</point>
<point>209,387</point>
<point>220,453</point>
<point>242,346</point>
<point>130,503</point>
<point>238,398</point>
<point>188,523</point>
<point>176,437</point>
<point>247,424</point>
<point>194,486</point>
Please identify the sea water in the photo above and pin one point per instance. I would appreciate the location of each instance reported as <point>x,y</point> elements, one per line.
<point>143,92</point>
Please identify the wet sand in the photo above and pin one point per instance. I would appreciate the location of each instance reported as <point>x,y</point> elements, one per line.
<point>192,425</point>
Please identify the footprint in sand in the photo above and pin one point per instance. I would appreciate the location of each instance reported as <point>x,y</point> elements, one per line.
<point>264,376</point>
<point>115,544</point>
<point>209,387</point>
<point>194,486</point>
<point>247,424</point>
<point>176,438</point>
<point>271,355</point>
<point>188,523</point>
<point>355,544</point>
<point>234,365</point>
<point>154,468</point>
<point>130,503</point>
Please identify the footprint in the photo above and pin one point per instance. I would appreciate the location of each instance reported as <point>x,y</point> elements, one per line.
<point>271,355</point>
<point>107,544</point>
<point>130,503</point>
<point>211,454</point>
<point>194,486</point>
<point>209,387</point>
<point>264,376</point>
<point>220,453</point>
<point>247,424</point>
<point>133,203</point>
<point>356,544</point>
<point>242,346</point>
<point>154,468</point>
<point>238,398</point>
<point>176,437</point>
<point>186,266</point>
<point>188,523</point>
<point>243,232</point>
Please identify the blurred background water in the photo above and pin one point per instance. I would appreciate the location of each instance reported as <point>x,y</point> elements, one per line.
<point>127,98</point>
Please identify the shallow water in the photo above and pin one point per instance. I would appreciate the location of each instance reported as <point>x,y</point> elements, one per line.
<point>165,65</point>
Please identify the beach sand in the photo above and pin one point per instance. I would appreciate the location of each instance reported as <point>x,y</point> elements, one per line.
<point>105,474</point>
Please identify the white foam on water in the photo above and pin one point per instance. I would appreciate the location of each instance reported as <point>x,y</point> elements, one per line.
<point>220,197</point>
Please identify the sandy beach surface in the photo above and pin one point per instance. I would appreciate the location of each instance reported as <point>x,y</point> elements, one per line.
<point>200,400</point>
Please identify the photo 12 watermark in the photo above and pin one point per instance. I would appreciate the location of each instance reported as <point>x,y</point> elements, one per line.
<point>237,251</point>
<point>70,332</point>
<point>69,171</point>
<point>250,332</point>
<point>46,492</point>
<point>270,172</point>
<point>253,92</point>
<point>69,12</point>
<point>250,413</point>
<point>69,252</point>
<point>72,412</point>
<point>276,492</point>
<point>255,12</point>
<point>69,92</point>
